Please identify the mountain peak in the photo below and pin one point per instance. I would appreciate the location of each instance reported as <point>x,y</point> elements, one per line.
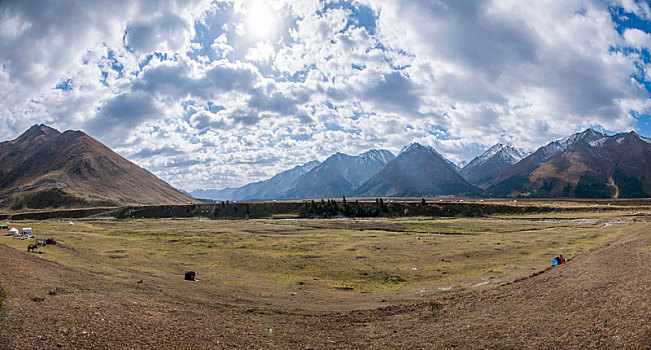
<point>491,162</point>
<point>588,135</point>
<point>85,171</point>
<point>417,147</point>
<point>41,128</point>
<point>37,130</point>
<point>417,171</point>
<point>414,146</point>
<point>381,155</point>
<point>631,135</point>
<point>498,146</point>
<point>338,175</point>
<point>337,157</point>
<point>501,153</point>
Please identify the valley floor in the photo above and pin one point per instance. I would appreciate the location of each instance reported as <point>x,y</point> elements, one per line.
<point>112,284</point>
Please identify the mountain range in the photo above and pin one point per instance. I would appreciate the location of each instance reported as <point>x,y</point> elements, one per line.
<point>46,168</point>
<point>587,164</point>
<point>339,175</point>
<point>266,189</point>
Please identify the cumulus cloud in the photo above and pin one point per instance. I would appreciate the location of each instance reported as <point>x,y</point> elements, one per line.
<point>637,38</point>
<point>162,32</point>
<point>533,70</point>
<point>225,102</point>
<point>122,113</point>
<point>262,52</point>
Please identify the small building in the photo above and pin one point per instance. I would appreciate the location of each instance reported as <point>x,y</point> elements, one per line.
<point>27,230</point>
<point>14,232</point>
<point>4,227</point>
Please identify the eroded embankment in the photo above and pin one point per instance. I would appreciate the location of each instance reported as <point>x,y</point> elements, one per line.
<point>308,209</point>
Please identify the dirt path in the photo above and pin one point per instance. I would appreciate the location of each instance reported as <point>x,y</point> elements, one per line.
<point>600,299</point>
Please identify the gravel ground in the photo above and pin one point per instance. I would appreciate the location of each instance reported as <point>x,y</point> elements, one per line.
<point>600,299</point>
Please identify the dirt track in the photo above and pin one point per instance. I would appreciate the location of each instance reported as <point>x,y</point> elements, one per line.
<point>600,299</point>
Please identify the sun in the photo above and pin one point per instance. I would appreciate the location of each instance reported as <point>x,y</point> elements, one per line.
<point>260,19</point>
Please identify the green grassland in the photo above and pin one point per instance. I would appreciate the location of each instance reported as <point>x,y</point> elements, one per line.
<point>311,264</point>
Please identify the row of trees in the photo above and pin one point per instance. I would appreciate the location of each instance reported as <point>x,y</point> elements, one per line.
<point>329,208</point>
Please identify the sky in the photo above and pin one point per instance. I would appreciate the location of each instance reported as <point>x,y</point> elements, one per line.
<point>210,94</point>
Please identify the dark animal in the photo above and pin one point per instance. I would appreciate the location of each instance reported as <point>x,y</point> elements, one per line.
<point>32,247</point>
<point>50,241</point>
<point>189,276</point>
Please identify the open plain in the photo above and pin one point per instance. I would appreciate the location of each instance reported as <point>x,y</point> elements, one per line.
<point>405,282</point>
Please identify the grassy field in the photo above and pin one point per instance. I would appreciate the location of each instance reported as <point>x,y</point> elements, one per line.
<point>317,265</point>
<point>407,282</point>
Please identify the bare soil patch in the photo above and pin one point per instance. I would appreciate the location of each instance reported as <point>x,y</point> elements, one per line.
<point>599,299</point>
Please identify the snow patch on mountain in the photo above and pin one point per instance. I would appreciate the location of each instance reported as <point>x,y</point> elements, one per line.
<point>415,146</point>
<point>644,139</point>
<point>499,153</point>
<point>377,155</point>
<point>557,147</point>
<point>599,142</point>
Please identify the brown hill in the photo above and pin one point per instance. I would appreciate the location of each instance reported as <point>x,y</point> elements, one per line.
<point>46,168</point>
<point>617,166</point>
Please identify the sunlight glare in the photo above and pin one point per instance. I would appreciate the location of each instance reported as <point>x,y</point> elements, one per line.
<point>260,19</point>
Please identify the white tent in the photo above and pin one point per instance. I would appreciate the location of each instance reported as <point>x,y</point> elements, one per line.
<point>13,232</point>
<point>27,230</point>
<point>71,223</point>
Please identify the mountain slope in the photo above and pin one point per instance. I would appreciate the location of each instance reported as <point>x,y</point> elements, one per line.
<point>44,167</point>
<point>587,165</point>
<point>484,167</point>
<point>514,176</point>
<point>266,189</point>
<point>339,175</point>
<point>417,171</point>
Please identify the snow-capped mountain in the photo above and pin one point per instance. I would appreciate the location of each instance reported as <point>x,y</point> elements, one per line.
<point>543,154</point>
<point>485,166</point>
<point>266,189</point>
<point>417,146</point>
<point>417,171</point>
<point>500,153</point>
<point>376,155</point>
<point>587,164</point>
<point>339,175</point>
<point>557,147</point>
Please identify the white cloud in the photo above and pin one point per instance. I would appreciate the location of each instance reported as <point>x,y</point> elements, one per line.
<point>187,91</point>
<point>262,52</point>
<point>544,72</point>
<point>221,47</point>
<point>637,38</point>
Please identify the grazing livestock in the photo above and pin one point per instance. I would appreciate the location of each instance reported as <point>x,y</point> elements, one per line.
<point>32,247</point>
<point>190,276</point>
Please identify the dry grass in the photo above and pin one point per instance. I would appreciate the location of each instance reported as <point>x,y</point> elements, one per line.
<point>317,264</point>
<point>112,284</point>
